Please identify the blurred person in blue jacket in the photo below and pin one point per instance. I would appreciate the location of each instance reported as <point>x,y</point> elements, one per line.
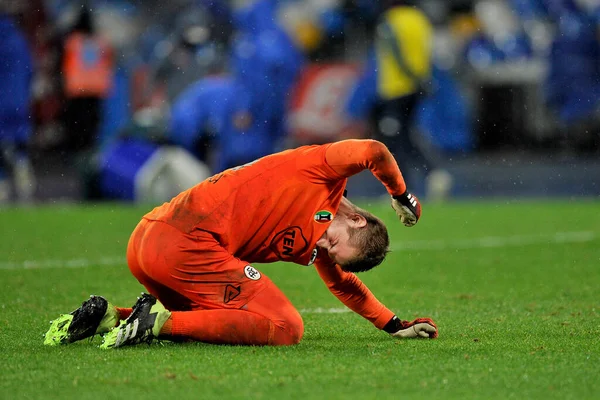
<point>501,37</point>
<point>396,77</point>
<point>16,72</point>
<point>573,83</point>
<point>192,51</point>
<point>241,115</point>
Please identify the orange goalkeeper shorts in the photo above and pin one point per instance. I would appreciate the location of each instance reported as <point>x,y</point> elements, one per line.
<point>190,272</point>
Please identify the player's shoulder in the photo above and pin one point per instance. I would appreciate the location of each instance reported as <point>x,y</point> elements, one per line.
<point>300,151</point>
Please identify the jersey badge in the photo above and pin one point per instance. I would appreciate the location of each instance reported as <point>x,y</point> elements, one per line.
<point>323,216</point>
<point>251,272</point>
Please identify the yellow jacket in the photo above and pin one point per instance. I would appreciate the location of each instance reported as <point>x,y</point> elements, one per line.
<point>403,48</point>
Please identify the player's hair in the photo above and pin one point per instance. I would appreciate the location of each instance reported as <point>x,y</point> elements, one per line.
<point>372,241</point>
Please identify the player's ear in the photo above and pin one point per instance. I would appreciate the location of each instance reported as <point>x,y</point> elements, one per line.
<point>357,220</point>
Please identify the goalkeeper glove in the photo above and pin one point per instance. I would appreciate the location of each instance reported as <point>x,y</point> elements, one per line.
<point>407,208</point>
<point>420,327</point>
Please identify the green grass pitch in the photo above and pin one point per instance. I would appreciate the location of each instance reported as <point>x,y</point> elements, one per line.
<point>513,286</point>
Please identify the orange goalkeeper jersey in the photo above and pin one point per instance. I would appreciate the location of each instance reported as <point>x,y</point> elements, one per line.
<point>277,207</point>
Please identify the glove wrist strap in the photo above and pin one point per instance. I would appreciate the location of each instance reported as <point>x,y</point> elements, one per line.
<point>400,196</point>
<point>394,325</point>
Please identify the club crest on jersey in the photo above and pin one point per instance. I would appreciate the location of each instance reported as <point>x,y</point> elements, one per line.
<point>251,272</point>
<point>323,216</point>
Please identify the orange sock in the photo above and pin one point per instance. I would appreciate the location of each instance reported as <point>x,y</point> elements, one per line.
<point>167,328</point>
<point>226,327</point>
<point>123,313</point>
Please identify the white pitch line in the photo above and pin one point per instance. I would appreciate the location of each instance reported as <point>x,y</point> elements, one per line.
<point>496,241</point>
<point>420,245</point>
<point>73,263</point>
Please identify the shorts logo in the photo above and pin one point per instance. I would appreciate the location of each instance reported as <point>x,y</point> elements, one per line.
<point>313,256</point>
<point>323,216</point>
<point>231,292</point>
<point>251,273</point>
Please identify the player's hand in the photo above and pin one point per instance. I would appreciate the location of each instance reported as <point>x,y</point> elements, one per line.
<point>420,327</point>
<point>407,208</point>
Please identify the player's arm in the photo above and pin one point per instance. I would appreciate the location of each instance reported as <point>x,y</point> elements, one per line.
<point>355,295</point>
<point>349,157</point>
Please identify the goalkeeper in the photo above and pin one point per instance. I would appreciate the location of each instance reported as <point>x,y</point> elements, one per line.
<point>194,254</point>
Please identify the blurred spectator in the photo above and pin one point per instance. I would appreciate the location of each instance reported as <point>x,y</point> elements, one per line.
<point>136,169</point>
<point>330,30</point>
<point>445,116</point>
<point>194,49</point>
<point>501,37</point>
<point>242,115</point>
<point>573,83</point>
<point>87,66</point>
<point>15,112</point>
<point>396,77</point>
<point>39,28</point>
<point>137,163</point>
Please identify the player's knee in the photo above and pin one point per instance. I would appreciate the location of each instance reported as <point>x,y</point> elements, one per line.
<point>296,330</point>
<point>290,330</point>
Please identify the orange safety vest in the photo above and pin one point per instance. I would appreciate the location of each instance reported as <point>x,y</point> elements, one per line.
<point>87,66</point>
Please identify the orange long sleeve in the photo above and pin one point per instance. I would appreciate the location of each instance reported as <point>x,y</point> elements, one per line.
<point>353,293</point>
<point>349,157</point>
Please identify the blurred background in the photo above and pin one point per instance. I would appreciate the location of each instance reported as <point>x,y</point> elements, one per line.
<point>135,100</point>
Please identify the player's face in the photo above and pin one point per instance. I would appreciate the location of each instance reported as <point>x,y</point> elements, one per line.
<point>335,241</point>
